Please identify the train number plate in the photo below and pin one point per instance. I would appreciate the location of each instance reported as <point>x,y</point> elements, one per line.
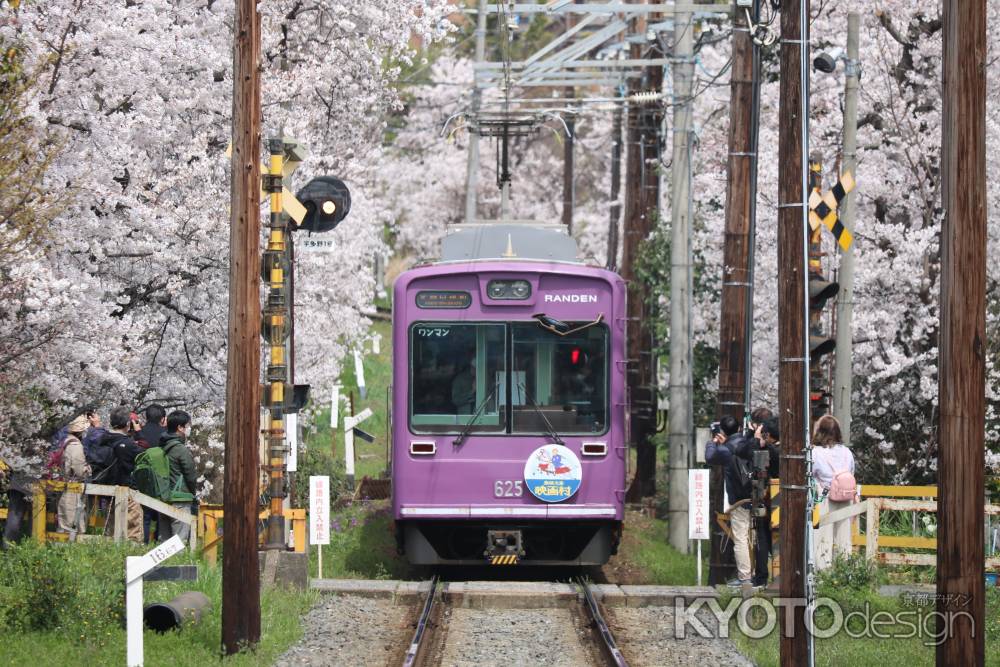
<point>506,488</point>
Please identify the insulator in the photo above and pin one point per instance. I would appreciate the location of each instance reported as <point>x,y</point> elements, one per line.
<point>646,97</point>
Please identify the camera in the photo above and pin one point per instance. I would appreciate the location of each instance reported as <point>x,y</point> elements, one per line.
<point>715,428</point>
<point>759,484</point>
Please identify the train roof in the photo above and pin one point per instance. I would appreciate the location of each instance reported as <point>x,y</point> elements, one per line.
<point>507,241</point>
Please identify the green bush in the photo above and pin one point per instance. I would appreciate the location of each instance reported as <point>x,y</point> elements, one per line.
<point>854,572</point>
<point>47,587</point>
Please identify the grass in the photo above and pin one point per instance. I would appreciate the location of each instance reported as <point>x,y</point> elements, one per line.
<point>370,458</point>
<point>843,649</point>
<point>362,545</point>
<point>82,639</point>
<point>645,556</point>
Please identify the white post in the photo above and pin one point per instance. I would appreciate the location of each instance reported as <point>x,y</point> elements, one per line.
<point>699,562</point>
<point>135,568</point>
<point>334,406</point>
<point>292,435</point>
<point>350,421</point>
<point>349,454</point>
<point>133,614</point>
<point>359,372</point>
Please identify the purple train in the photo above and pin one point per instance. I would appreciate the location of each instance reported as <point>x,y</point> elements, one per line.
<point>509,402</point>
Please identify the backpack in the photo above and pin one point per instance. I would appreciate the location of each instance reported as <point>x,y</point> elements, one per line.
<point>54,466</point>
<point>744,475</point>
<point>98,457</point>
<point>843,488</point>
<point>58,440</point>
<point>152,474</point>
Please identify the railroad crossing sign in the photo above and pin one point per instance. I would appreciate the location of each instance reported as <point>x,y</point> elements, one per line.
<point>823,209</point>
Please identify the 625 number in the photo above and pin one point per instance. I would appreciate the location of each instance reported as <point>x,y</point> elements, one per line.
<point>505,488</point>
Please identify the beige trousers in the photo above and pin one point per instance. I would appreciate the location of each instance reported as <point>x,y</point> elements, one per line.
<point>739,522</point>
<point>70,514</point>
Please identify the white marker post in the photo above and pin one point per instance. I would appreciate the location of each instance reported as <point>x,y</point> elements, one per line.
<point>319,514</point>
<point>377,344</point>
<point>349,423</point>
<point>292,435</point>
<point>334,406</point>
<point>698,510</point>
<point>136,567</point>
<point>359,373</point>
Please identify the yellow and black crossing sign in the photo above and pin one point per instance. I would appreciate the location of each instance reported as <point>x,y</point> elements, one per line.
<point>510,559</point>
<point>823,209</point>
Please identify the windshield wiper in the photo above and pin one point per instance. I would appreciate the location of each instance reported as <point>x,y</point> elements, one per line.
<point>468,427</point>
<point>551,432</point>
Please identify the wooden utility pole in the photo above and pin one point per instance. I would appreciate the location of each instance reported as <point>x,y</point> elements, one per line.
<point>793,368</point>
<point>735,327</point>
<point>642,182</point>
<point>240,574</point>
<point>616,186</point>
<point>962,362</point>
<point>681,415</point>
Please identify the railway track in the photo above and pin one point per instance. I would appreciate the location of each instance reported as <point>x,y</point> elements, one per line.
<point>429,644</point>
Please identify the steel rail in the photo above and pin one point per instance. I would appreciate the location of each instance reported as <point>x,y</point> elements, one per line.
<point>611,650</point>
<point>418,635</point>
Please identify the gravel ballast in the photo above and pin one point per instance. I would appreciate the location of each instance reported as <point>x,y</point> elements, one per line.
<point>351,630</point>
<point>550,637</point>
<point>646,637</point>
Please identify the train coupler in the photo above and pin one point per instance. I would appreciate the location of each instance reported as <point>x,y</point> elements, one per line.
<point>503,547</point>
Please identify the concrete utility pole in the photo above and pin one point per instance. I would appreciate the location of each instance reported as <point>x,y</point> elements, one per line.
<point>641,210</point>
<point>848,210</point>
<point>681,381</point>
<point>240,573</point>
<point>736,324</point>
<point>472,170</point>
<point>616,186</point>
<point>793,368</point>
<point>569,188</point>
<point>962,363</point>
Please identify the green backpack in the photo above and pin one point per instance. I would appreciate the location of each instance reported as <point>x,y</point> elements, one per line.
<point>152,474</point>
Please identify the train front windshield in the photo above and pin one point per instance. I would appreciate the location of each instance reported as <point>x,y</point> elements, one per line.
<point>502,378</point>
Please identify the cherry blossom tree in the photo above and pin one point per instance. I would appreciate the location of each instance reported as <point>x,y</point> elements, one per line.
<point>126,300</point>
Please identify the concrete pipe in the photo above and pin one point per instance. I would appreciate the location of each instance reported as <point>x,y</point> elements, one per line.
<point>188,607</point>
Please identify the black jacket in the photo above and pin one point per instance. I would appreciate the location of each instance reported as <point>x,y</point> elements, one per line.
<point>149,435</point>
<point>749,445</point>
<point>724,455</point>
<point>123,451</point>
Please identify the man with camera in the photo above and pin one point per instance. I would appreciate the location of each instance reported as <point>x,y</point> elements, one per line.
<point>729,448</point>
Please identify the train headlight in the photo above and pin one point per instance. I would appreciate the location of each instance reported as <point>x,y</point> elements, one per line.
<point>509,290</point>
<point>497,290</point>
<point>520,289</point>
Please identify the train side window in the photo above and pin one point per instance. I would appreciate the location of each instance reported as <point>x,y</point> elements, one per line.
<point>455,371</point>
<point>565,377</point>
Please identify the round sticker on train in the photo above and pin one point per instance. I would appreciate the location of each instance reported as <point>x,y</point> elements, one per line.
<point>553,473</point>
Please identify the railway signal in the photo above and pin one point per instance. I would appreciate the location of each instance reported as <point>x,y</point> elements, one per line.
<point>327,201</point>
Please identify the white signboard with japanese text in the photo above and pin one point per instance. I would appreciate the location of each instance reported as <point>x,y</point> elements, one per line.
<point>698,505</point>
<point>319,509</point>
<point>310,244</point>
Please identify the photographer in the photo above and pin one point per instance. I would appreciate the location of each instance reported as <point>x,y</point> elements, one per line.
<point>766,438</point>
<point>757,418</point>
<point>722,451</point>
